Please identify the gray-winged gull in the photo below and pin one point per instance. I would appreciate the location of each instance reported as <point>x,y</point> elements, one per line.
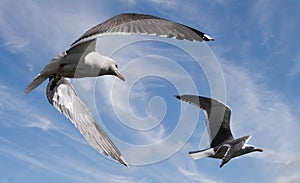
<point>223,145</point>
<point>82,60</point>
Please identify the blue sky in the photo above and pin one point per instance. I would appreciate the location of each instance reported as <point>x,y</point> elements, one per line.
<point>256,71</point>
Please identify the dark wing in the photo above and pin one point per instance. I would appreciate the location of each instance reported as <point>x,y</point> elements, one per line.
<point>217,117</point>
<point>132,23</point>
<point>235,149</point>
<point>84,48</point>
<point>63,97</point>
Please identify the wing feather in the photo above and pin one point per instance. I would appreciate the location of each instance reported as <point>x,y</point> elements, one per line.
<point>63,97</point>
<point>132,23</point>
<point>217,117</point>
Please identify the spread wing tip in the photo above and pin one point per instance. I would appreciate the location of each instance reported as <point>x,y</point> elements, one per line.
<point>207,37</point>
<point>177,96</point>
<point>123,161</point>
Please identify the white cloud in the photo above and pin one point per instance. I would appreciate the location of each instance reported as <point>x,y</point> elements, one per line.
<point>30,116</point>
<point>189,170</point>
<point>42,123</point>
<point>294,178</point>
<point>43,25</point>
<point>21,109</point>
<point>16,43</point>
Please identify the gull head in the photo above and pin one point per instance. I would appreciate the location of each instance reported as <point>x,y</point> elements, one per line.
<point>113,67</point>
<point>96,64</point>
<point>250,148</point>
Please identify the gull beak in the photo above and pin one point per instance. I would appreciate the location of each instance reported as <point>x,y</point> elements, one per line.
<point>119,75</point>
<point>259,150</point>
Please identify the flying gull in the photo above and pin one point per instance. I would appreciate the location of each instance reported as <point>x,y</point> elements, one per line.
<point>82,60</point>
<point>223,145</point>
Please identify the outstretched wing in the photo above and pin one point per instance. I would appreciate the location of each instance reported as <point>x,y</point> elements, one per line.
<point>63,97</point>
<point>132,23</point>
<point>217,117</point>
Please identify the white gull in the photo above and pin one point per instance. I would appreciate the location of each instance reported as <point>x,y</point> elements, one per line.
<point>82,60</point>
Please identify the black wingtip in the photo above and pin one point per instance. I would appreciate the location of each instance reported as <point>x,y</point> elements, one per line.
<point>125,164</point>
<point>208,39</point>
<point>123,161</point>
<point>221,165</point>
<point>177,96</point>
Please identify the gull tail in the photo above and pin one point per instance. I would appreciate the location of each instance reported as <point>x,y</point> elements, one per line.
<point>48,71</point>
<point>35,83</point>
<point>201,154</point>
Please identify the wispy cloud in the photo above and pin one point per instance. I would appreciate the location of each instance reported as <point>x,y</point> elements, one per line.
<point>42,123</point>
<point>21,109</point>
<point>289,177</point>
<point>16,152</point>
<point>62,166</point>
<point>23,114</point>
<point>265,19</point>
<point>188,169</point>
<point>43,25</point>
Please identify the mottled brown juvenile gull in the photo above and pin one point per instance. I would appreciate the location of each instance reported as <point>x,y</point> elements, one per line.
<point>223,145</point>
<point>83,60</point>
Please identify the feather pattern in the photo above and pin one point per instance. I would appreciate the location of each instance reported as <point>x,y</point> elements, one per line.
<point>63,97</point>
<point>217,117</point>
<point>132,23</point>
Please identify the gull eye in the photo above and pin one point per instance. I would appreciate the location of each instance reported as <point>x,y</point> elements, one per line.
<point>116,66</point>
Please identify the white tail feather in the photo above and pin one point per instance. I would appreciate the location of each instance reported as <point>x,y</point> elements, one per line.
<point>202,154</point>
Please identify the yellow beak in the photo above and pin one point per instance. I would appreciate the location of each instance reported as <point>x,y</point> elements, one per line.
<point>119,75</point>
